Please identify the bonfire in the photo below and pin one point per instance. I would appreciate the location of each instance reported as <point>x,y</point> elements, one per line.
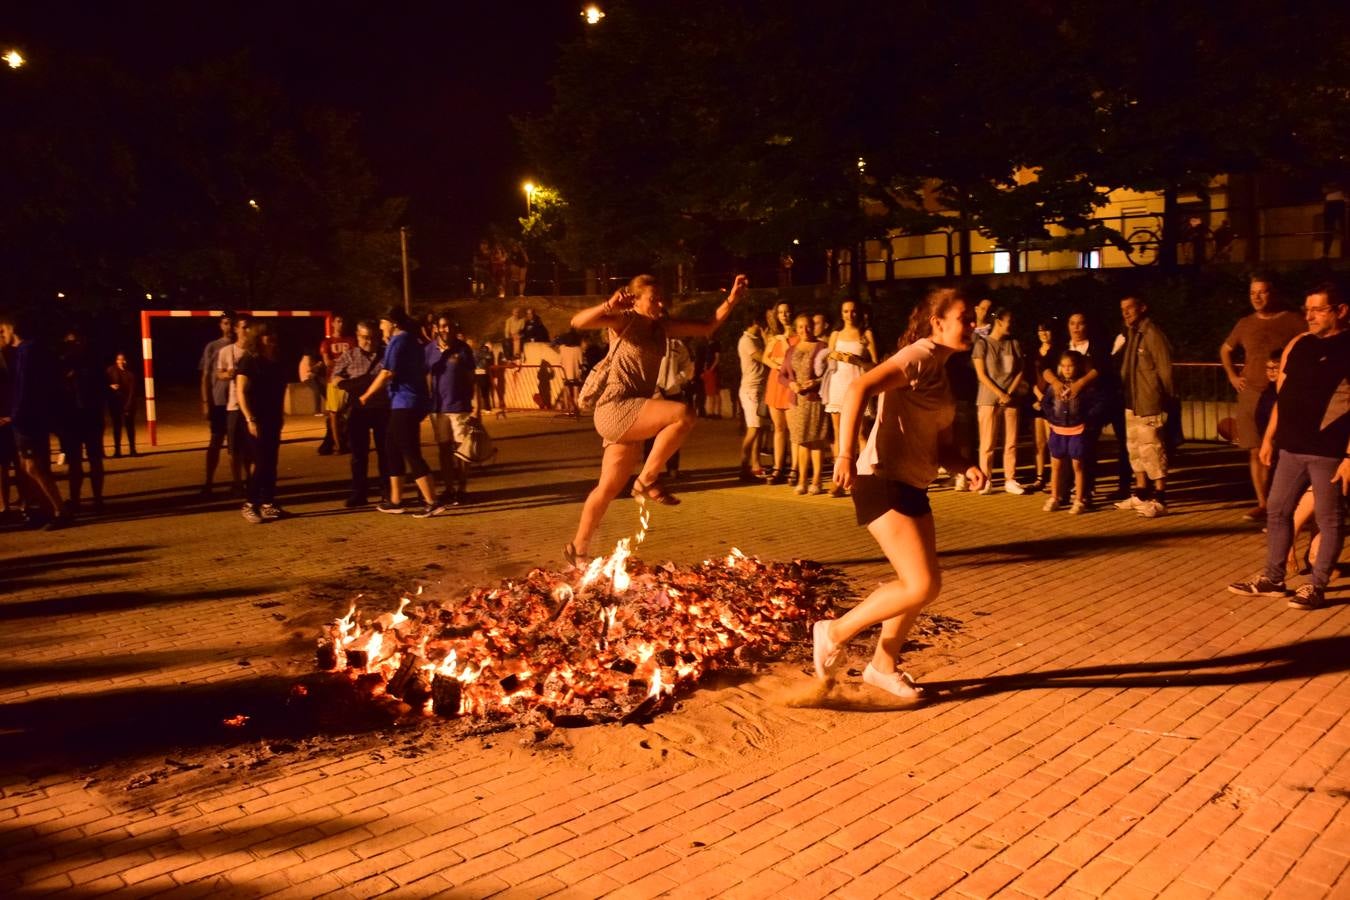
<point>617,641</point>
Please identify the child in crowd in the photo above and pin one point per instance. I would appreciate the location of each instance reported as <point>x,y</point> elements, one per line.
<point>1069,415</point>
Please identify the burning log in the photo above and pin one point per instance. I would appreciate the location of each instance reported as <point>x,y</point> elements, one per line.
<point>446,696</point>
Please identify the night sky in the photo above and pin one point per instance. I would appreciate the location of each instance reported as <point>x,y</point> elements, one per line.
<point>434,84</point>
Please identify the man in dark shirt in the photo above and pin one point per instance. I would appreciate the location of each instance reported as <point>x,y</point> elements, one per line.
<point>84,395</point>
<point>1310,426</point>
<point>450,365</point>
<point>260,382</point>
<point>33,381</point>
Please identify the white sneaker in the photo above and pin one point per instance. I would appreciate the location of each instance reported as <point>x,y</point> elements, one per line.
<point>1052,504</point>
<point>897,683</point>
<point>959,483</point>
<point>988,487</point>
<point>1130,502</point>
<point>1151,509</point>
<point>824,652</point>
<point>1078,508</point>
<point>1011,486</point>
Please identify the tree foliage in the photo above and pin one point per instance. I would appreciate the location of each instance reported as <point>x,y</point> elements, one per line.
<point>210,185</point>
<point>744,124</point>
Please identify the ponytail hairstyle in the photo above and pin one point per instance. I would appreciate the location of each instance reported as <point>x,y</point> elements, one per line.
<point>935,305</point>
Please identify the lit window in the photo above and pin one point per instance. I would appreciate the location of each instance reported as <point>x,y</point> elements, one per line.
<point>1092,259</point>
<point>1002,262</point>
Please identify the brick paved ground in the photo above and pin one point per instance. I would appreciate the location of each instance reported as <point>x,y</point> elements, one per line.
<point>1110,721</point>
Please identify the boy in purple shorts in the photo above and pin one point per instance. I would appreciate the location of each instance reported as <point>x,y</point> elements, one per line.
<point>1069,415</point>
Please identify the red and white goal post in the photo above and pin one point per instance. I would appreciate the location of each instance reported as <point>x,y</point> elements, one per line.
<point>147,345</point>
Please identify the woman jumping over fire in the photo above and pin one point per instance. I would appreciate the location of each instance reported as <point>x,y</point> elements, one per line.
<point>889,481</point>
<point>626,414</point>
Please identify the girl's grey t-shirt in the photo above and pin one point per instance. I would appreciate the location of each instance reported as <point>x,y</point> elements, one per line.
<point>1002,361</point>
<point>903,445</point>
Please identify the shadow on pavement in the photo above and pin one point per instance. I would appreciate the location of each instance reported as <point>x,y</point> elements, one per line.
<point>99,667</point>
<point>58,733</point>
<point>1305,659</point>
<point>84,604</point>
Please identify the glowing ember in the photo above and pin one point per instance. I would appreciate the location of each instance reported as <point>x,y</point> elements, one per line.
<point>616,641</point>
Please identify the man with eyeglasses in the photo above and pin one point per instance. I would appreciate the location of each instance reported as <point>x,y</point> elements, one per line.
<point>1267,329</point>
<point>366,422</point>
<point>1310,426</point>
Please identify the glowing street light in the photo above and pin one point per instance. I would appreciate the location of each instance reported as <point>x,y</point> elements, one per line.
<point>14,59</point>
<point>253,204</point>
<point>529,189</point>
<point>593,14</point>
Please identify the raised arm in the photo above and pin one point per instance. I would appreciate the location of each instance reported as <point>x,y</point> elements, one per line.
<point>604,315</point>
<point>690,328</point>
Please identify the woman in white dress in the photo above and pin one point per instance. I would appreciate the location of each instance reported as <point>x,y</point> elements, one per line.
<point>853,351</point>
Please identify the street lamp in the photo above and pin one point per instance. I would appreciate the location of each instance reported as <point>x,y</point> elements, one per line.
<point>529,189</point>
<point>14,59</point>
<point>593,14</point>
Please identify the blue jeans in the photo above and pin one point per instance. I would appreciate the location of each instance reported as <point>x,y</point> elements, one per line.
<point>1293,472</point>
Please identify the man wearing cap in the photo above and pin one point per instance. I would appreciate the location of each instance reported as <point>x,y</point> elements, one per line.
<point>215,397</point>
<point>450,369</point>
<point>403,372</point>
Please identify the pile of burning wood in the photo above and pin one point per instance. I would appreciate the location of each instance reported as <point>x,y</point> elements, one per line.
<point>612,643</point>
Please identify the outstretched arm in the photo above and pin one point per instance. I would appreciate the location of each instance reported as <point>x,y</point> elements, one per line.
<point>604,315</point>
<point>686,328</point>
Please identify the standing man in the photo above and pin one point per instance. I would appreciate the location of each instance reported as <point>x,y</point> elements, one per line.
<point>215,396</point>
<point>1146,385</point>
<point>237,440</point>
<point>367,422</point>
<point>450,365</point>
<point>81,428</point>
<point>1266,330</point>
<point>33,380</point>
<point>260,389</point>
<point>511,332</point>
<point>331,349</point>
<point>1310,426</point>
<point>754,376</point>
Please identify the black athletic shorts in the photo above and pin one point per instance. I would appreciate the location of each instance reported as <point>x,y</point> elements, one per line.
<point>874,496</point>
<point>403,443</point>
<point>217,417</point>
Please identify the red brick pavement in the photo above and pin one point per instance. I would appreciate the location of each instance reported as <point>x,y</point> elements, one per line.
<point>1124,726</point>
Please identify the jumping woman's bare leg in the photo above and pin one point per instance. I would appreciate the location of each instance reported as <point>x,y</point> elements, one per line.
<point>618,463</point>
<point>670,423</point>
<point>911,547</point>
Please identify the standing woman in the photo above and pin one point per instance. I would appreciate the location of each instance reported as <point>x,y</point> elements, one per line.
<point>853,350</point>
<point>804,367</point>
<point>626,413</point>
<point>777,397</point>
<point>261,388</point>
<point>889,480</point>
<point>1044,359</point>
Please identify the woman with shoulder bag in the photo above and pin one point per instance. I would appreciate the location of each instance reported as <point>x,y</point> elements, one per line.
<point>626,413</point>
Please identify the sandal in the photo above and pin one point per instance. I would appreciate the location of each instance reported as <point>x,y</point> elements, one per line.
<point>574,559</point>
<point>654,492</point>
